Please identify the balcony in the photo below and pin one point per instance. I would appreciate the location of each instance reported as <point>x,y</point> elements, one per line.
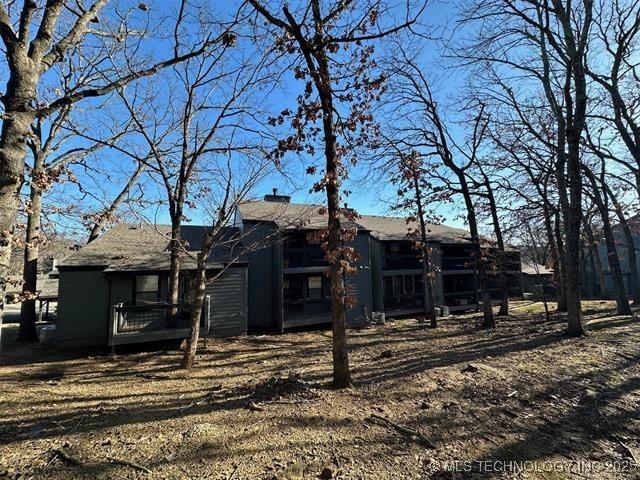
<point>458,263</point>
<point>404,301</point>
<point>296,313</point>
<point>401,262</point>
<point>152,322</point>
<point>303,258</point>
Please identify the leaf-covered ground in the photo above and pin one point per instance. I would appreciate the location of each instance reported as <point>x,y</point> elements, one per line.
<point>522,401</point>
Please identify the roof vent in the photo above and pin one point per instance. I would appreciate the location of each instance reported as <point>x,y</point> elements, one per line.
<point>347,209</point>
<point>277,198</point>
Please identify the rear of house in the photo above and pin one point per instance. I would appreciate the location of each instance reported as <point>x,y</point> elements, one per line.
<point>287,282</point>
<point>397,268</point>
<point>115,290</point>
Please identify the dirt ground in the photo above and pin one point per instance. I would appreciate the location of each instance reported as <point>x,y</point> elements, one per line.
<point>522,401</point>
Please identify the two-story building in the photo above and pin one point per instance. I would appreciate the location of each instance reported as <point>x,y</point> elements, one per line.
<point>288,288</point>
<point>287,284</point>
<point>114,290</point>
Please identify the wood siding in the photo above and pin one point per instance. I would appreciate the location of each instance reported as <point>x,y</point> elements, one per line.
<point>262,280</point>
<point>82,308</point>
<point>228,315</point>
<point>377,293</point>
<point>360,283</point>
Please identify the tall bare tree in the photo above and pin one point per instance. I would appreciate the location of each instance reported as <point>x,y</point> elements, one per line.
<point>413,185</point>
<point>37,37</point>
<point>315,34</point>
<point>544,43</point>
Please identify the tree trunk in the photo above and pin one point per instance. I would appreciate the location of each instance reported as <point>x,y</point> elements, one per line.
<point>481,268</point>
<point>16,124</point>
<point>27,331</point>
<point>553,249</point>
<point>341,371</point>
<point>427,280</point>
<point>634,280</point>
<point>597,261</point>
<point>200,284</point>
<point>502,264</point>
<point>174,261</point>
<point>562,294</point>
<point>622,302</point>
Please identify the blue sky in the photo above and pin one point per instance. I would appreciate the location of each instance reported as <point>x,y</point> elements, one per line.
<point>371,192</point>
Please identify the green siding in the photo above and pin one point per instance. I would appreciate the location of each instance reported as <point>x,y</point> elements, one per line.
<point>360,282</point>
<point>228,295</point>
<point>262,278</point>
<point>82,309</point>
<point>376,276</point>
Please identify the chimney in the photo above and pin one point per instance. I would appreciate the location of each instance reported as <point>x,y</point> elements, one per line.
<point>277,198</point>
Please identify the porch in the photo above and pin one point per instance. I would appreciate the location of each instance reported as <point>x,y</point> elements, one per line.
<point>153,322</point>
<point>300,313</point>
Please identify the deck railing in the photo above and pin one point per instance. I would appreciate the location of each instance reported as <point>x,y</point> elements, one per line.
<point>457,263</point>
<point>401,262</point>
<point>153,321</point>
<point>303,257</point>
<point>301,310</point>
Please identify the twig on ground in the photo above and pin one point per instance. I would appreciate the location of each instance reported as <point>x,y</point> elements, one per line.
<point>629,453</point>
<point>78,424</point>
<point>336,458</point>
<point>415,434</point>
<point>125,463</point>
<point>233,473</point>
<point>71,460</point>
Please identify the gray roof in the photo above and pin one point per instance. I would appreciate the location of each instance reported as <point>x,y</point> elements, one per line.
<point>135,247</point>
<point>290,216</point>
<point>532,268</point>
<point>395,228</point>
<point>305,216</point>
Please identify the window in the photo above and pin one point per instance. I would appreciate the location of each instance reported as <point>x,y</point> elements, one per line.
<point>419,284</point>
<point>397,284</point>
<point>408,284</point>
<point>293,288</point>
<point>387,285</point>
<point>315,287</point>
<point>146,289</point>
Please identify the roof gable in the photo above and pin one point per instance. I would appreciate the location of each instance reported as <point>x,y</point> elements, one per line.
<point>130,247</point>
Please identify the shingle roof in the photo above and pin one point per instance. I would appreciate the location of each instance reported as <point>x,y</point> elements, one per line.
<point>290,216</point>
<point>305,216</point>
<point>395,228</point>
<point>531,268</point>
<point>128,247</point>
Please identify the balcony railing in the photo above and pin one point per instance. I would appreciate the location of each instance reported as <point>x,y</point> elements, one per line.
<point>401,262</point>
<point>457,263</point>
<point>303,257</point>
<point>301,312</point>
<point>153,321</point>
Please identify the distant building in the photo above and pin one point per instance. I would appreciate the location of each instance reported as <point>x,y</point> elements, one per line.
<point>591,280</point>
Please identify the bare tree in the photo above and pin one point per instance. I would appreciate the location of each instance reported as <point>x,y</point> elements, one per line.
<point>421,127</point>
<point>314,35</point>
<point>412,182</point>
<point>601,200</point>
<point>36,39</point>
<point>234,180</point>
<point>546,42</point>
<point>616,71</point>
